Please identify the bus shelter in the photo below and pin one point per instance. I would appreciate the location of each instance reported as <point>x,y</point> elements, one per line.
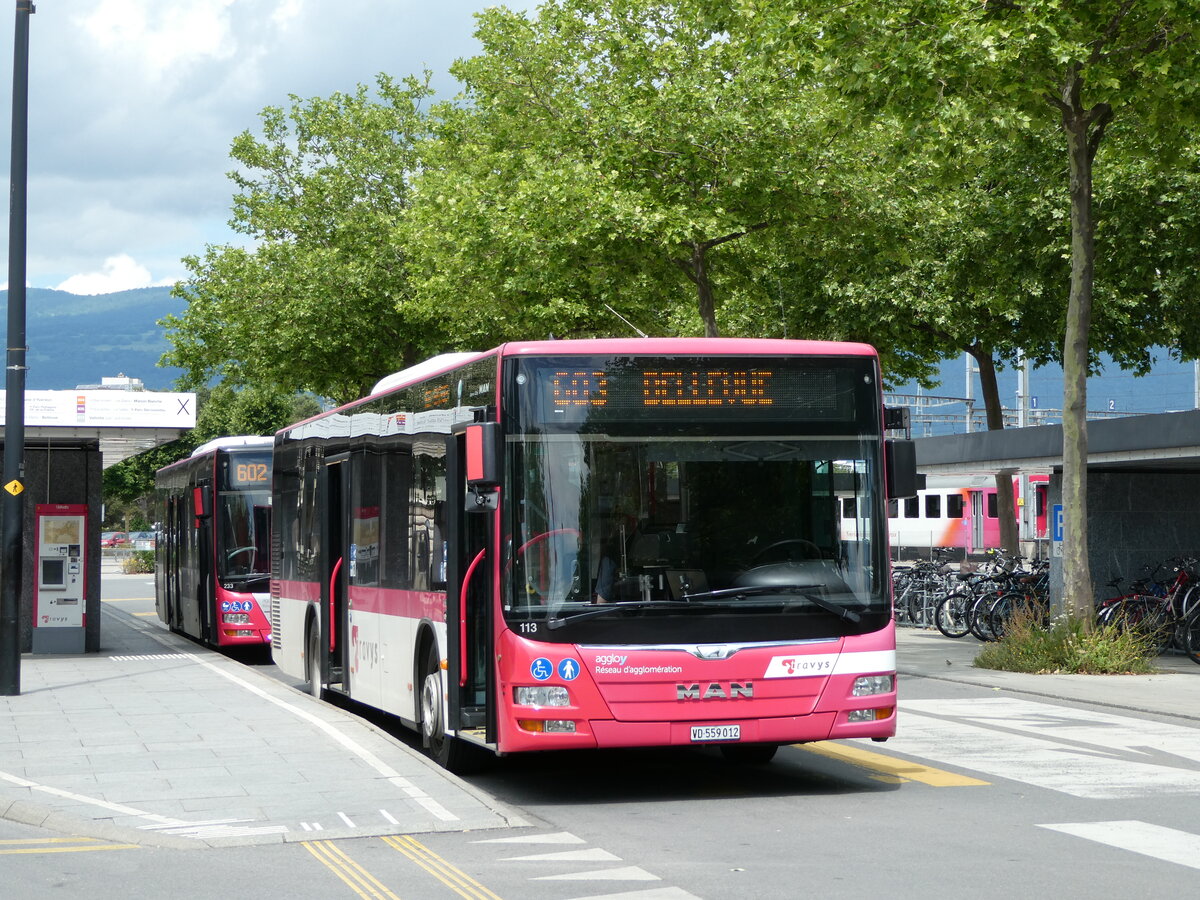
<point>70,438</point>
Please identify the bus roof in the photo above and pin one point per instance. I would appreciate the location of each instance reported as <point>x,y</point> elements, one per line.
<point>691,346</point>
<point>652,346</point>
<point>227,443</point>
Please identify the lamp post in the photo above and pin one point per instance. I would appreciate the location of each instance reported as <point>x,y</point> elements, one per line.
<point>12,520</point>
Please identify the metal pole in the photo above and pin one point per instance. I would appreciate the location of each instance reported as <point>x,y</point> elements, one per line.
<point>12,521</point>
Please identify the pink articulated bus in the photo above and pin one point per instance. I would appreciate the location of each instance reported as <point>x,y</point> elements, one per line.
<point>598,543</point>
<point>213,548</point>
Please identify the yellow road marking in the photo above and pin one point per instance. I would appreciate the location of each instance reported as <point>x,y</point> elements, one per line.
<point>891,766</point>
<point>359,879</point>
<point>58,845</point>
<point>146,614</point>
<point>455,879</point>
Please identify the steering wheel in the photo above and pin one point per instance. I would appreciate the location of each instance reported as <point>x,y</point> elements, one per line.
<point>811,550</point>
<point>539,538</point>
<point>239,551</point>
<point>519,556</point>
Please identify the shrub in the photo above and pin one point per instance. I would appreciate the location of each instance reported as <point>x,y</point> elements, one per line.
<point>139,562</point>
<point>1067,647</point>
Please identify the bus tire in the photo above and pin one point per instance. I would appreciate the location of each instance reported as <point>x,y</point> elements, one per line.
<point>312,661</point>
<point>446,750</point>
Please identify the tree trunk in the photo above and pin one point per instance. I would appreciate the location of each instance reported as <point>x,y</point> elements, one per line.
<point>697,270</point>
<point>1005,510</point>
<point>1083,129</point>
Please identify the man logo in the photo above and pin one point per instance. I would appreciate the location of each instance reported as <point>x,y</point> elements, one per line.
<point>715,691</point>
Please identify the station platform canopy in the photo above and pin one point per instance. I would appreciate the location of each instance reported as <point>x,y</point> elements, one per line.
<point>1165,442</point>
<point>121,422</point>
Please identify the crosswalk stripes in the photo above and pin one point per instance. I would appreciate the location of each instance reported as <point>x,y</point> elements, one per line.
<point>1157,841</point>
<point>593,855</point>
<point>1083,753</point>
<point>587,855</point>
<point>625,873</point>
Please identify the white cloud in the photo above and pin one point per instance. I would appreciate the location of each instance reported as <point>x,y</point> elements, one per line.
<point>134,104</point>
<point>167,36</point>
<point>287,11</point>
<point>119,273</point>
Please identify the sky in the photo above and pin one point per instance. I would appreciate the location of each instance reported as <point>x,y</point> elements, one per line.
<point>134,104</point>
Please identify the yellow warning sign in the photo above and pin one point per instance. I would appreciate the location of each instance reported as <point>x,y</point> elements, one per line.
<point>14,487</point>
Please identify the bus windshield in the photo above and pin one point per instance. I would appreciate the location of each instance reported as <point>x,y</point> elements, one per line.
<point>612,532</point>
<point>244,536</point>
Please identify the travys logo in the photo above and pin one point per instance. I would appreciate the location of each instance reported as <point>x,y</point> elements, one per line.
<point>801,665</point>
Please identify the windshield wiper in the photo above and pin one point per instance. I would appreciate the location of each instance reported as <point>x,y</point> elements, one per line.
<point>606,608</point>
<point>740,593</point>
<point>243,577</point>
<point>686,603</point>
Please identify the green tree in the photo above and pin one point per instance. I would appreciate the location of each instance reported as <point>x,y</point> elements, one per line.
<point>320,301</point>
<point>966,69</point>
<point>617,153</point>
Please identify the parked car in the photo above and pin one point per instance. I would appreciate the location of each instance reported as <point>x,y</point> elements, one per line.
<point>114,539</point>
<point>142,540</point>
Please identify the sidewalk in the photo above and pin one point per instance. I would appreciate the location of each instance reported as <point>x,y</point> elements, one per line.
<point>1173,691</point>
<point>156,740</point>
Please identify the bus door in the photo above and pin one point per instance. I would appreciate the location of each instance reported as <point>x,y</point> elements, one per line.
<point>172,551</point>
<point>470,602</point>
<point>204,621</point>
<point>977,542</point>
<point>333,493</point>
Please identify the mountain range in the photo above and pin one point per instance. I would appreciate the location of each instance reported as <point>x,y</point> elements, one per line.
<point>76,339</point>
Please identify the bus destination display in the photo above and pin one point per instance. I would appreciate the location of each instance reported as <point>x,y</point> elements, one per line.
<point>638,388</point>
<point>248,473</point>
<point>667,388</point>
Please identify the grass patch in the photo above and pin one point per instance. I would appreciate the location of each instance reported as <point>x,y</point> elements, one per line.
<point>1066,647</point>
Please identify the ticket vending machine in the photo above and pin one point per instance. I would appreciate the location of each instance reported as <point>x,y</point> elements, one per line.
<point>60,558</point>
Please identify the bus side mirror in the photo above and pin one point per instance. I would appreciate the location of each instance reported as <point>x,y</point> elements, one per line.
<point>900,468</point>
<point>200,504</point>
<point>483,446</point>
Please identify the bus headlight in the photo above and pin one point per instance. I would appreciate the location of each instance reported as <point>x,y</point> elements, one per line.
<point>542,695</point>
<point>869,715</point>
<point>547,726</point>
<point>866,685</point>
<point>235,619</point>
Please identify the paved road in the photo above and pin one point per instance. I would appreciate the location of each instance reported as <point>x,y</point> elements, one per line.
<point>157,746</point>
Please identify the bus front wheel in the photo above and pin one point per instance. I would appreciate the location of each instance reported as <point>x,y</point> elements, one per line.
<point>312,662</point>
<point>447,751</point>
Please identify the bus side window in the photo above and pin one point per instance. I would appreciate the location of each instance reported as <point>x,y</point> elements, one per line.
<point>933,506</point>
<point>991,506</point>
<point>912,509</point>
<point>954,506</point>
<point>893,508</point>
